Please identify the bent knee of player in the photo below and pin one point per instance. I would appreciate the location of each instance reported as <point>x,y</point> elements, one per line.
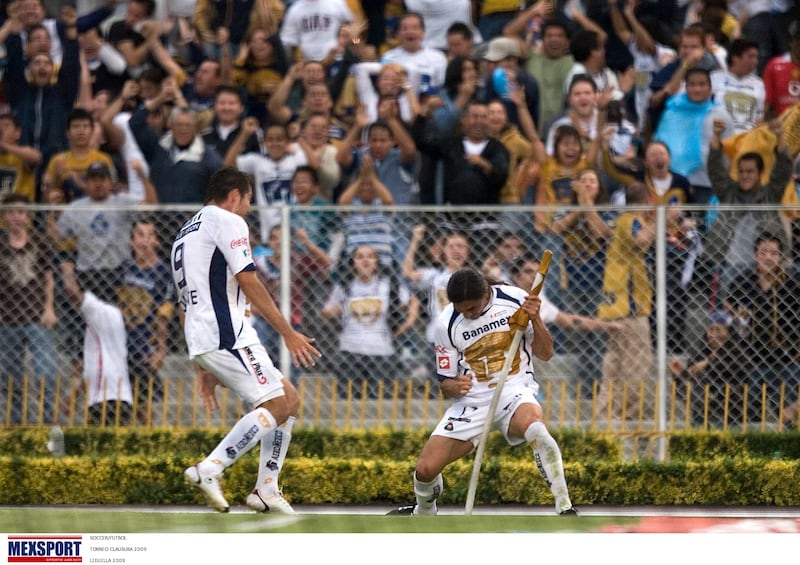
<point>426,470</point>
<point>525,415</point>
<point>292,398</point>
<point>278,407</point>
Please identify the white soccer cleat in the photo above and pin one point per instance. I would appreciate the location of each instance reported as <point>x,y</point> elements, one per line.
<point>210,487</point>
<point>273,502</point>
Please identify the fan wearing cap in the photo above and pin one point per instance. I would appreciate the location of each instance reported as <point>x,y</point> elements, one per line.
<point>425,66</point>
<point>718,363</point>
<point>782,76</point>
<point>98,226</point>
<point>501,72</point>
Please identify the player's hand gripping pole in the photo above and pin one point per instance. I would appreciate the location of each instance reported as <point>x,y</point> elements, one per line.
<point>520,325</point>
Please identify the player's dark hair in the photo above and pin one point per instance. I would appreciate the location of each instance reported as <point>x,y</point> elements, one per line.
<point>466,284</point>
<point>224,181</point>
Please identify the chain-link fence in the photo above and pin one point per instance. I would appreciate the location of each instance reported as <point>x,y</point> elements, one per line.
<point>691,328</point>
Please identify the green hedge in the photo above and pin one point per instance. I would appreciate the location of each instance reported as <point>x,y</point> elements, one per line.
<point>305,443</point>
<point>159,480</point>
<point>135,466</point>
<point>728,444</point>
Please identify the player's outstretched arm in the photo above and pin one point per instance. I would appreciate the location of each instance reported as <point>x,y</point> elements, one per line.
<point>301,347</point>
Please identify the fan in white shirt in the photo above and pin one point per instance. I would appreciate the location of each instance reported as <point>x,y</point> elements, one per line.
<point>313,26</point>
<point>425,66</point>
<point>743,91</point>
<point>439,16</point>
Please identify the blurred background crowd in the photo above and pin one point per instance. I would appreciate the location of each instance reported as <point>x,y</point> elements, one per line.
<point>407,139</point>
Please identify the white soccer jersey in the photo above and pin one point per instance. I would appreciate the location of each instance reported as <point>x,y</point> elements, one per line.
<point>210,250</point>
<point>313,26</point>
<point>478,347</point>
<point>744,99</point>
<point>105,352</point>
<point>273,184</point>
<point>365,315</point>
<point>425,67</point>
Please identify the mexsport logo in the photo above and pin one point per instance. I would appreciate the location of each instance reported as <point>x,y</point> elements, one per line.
<point>45,549</point>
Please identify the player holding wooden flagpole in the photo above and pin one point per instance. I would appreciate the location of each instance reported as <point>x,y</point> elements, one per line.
<point>474,332</point>
<point>519,325</point>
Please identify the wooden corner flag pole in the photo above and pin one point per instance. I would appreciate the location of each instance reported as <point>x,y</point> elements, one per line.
<point>521,325</point>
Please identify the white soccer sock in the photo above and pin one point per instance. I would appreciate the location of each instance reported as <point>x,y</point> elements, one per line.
<point>242,437</point>
<point>548,459</point>
<point>274,446</point>
<point>426,494</point>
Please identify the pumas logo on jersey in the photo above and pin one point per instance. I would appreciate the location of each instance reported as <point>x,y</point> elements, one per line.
<point>238,242</point>
<point>444,362</point>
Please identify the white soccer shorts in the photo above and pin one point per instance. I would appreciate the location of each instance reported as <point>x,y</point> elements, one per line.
<point>464,420</point>
<point>248,371</point>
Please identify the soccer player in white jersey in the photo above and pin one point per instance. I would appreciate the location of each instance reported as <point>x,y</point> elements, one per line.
<point>216,279</point>
<point>473,334</point>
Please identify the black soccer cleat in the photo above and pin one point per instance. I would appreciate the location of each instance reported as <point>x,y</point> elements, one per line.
<point>402,511</point>
<point>571,511</point>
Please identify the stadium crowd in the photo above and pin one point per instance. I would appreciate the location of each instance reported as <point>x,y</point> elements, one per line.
<point>379,106</point>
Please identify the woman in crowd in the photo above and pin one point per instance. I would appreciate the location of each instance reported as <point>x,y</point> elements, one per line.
<point>373,309</point>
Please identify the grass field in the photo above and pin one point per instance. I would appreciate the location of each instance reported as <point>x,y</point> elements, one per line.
<point>185,520</point>
<point>365,536</point>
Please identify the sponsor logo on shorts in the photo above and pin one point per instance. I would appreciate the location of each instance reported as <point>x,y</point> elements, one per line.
<point>440,350</point>
<point>444,362</point>
<point>251,357</point>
